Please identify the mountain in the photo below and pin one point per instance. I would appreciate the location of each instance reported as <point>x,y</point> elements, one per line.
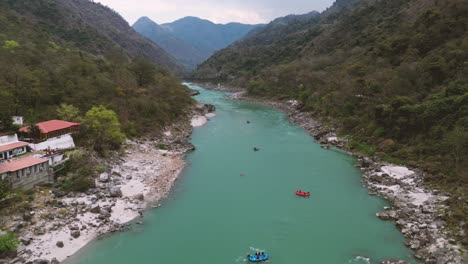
<point>181,50</point>
<point>192,40</point>
<point>83,55</point>
<point>92,27</point>
<point>272,44</point>
<point>392,75</point>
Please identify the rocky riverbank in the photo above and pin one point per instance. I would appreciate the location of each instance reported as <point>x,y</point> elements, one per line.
<point>136,178</point>
<point>416,210</point>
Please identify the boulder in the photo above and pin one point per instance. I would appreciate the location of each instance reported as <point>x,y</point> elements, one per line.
<point>104,214</point>
<point>139,197</point>
<point>194,92</point>
<point>115,191</point>
<point>27,217</point>
<point>387,215</point>
<point>59,193</point>
<point>415,244</point>
<point>60,244</point>
<point>38,231</point>
<point>104,177</point>
<point>26,240</point>
<point>95,209</point>
<point>75,233</point>
<point>54,261</point>
<point>366,162</point>
<point>210,108</point>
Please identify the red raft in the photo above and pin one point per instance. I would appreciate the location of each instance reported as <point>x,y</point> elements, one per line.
<point>303,194</point>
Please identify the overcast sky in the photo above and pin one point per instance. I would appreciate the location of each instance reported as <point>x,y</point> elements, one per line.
<point>218,11</point>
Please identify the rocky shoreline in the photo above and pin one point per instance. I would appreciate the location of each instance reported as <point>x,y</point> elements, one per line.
<point>136,179</point>
<point>416,210</point>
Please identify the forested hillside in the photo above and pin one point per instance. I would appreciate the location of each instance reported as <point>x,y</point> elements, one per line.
<point>391,74</point>
<point>50,55</point>
<point>90,26</point>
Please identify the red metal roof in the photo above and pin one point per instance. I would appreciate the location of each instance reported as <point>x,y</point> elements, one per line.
<point>52,125</point>
<point>12,146</point>
<point>20,164</point>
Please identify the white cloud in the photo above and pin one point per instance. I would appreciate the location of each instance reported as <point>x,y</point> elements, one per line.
<point>218,11</point>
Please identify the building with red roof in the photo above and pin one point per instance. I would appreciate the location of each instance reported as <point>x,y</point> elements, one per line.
<point>54,128</point>
<point>25,173</point>
<point>10,150</point>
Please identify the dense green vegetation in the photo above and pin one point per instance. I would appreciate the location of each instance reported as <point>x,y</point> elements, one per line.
<point>78,173</point>
<point>391,74</point>
<point>8,242</point>
<point>39,73</point>
<point>90,26</point>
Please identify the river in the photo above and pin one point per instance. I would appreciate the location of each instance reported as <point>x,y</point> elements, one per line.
<point>231,200</point>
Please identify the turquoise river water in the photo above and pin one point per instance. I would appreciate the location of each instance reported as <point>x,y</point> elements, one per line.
<point>230,201</point>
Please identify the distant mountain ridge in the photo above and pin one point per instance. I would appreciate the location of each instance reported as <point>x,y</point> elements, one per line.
<point>191,40</point>
<point>182,51</point>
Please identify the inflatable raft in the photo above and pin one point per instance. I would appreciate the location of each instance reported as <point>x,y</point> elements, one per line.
<point>258,258</point>
<point>303,194</point>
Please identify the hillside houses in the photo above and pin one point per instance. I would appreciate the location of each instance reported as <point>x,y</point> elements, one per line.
<point>24,164</point>
<point>11,150</point>
<point>54,135</point>
<point>25,173</point>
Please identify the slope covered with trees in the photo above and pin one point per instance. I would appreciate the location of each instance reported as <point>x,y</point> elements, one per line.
<point>392,74</point>
<point>90,26</point>
<point>50,70</point>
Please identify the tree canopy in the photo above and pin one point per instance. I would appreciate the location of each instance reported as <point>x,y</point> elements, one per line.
<point>102,129</point>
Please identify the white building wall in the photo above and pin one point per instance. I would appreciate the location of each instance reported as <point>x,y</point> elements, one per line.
<point>8,139</point>
<point>56,143</point>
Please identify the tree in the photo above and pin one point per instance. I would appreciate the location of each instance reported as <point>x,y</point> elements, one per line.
<point>456,143</point>
<point>10,45</point>
<point>144,71</point>
<point>68,112</point>
<point>6,123</point>
<point>102,129</point>
<point>34,132</point>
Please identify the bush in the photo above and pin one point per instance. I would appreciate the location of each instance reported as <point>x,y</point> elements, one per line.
<point>77,176</point>
<point>77,183</point>
<point>8,243</point>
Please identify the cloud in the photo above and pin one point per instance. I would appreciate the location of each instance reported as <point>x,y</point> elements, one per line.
<point>218,11</point>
